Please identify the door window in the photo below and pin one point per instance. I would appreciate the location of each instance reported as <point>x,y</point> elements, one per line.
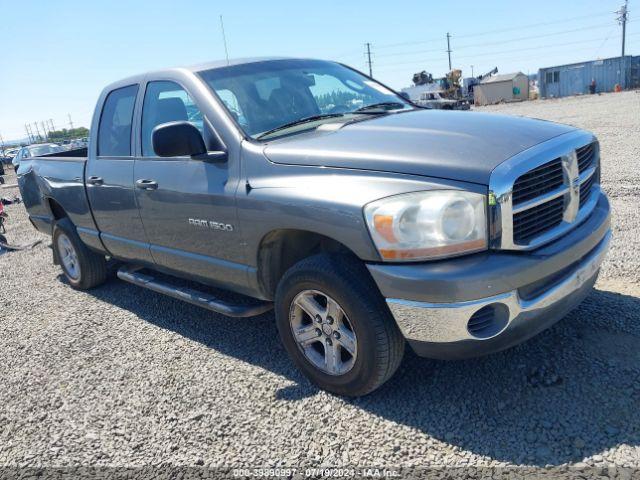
<point>166,102</point>
<point>114,132</point>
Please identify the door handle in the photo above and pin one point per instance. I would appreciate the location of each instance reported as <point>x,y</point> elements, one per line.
<point>95,181</point>
<point>147,184</point>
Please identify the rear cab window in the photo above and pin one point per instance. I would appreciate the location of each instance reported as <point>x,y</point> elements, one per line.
<point>114,131</point>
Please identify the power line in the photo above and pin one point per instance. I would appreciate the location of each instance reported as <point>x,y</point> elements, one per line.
<point>534,25</point>
<point>491,32</point>
<point>530,37</point>
<point>549,45</point>
<point>493,54</point>
<point>498,52</point>
<point>467,46</point>
<point>418,52</point>
<point>605,41</point>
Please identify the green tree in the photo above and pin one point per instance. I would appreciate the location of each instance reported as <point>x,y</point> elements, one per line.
<point>68,134</point>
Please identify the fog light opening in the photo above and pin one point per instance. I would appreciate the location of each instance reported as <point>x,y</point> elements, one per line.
<point>489,321</point>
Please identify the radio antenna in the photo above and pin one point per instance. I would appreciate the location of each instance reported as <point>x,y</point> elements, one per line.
<point>224,40</point>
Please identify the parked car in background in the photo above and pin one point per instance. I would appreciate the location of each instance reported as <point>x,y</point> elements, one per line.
<point>9,153</point>
<point>37,150</point>
<point>79,143</point>
<point>437,101</point>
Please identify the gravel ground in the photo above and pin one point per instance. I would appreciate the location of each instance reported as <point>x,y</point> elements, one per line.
<point>120,376</point>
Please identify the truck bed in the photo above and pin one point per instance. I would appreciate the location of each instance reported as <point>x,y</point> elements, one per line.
<point>52,181</point>
<point>76,153</point>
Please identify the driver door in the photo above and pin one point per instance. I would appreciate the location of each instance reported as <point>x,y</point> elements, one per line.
<point>187,205</point>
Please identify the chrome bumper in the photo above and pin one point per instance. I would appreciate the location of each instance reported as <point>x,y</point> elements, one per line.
<point>437,323</point>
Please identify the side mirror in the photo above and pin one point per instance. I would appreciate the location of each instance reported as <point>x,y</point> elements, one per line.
<point>175,139</point>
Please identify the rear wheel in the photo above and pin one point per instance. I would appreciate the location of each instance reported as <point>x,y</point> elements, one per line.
<point>83,268</point>
<point>336,326</point>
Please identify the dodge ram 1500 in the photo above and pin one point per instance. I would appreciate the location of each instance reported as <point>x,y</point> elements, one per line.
<point>365,222</point>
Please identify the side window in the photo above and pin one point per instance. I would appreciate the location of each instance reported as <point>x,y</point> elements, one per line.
<point>556,77</point>
<point>166,102</point>
<point>114,132</point>
<point>549,77</point>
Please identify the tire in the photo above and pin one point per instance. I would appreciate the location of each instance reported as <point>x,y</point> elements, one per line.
<point>365,325</point>
<point>84,269</point>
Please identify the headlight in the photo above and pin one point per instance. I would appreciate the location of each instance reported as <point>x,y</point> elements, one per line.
<point>428,225</point>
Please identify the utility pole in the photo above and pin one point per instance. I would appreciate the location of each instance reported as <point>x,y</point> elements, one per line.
<point>37,131</point>
<point>368,53</point>
<point>70,122</point>
<point>224,40</point>
<point>622,19</point>
<point>449,49</point>
<point>44,130</point>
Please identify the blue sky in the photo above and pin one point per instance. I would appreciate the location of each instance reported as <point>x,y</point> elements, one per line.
<point>56,56</point>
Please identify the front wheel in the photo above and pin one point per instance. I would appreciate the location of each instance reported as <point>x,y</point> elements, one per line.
<point>83,268</point>
<point>336,326</point>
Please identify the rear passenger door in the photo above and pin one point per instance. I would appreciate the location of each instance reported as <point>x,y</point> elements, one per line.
<point>109,179</point>
<point>189,213</point>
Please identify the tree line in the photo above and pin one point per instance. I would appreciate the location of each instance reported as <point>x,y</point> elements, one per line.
<point>67,134</point>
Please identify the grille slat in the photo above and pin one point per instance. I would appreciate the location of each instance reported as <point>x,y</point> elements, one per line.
<point>585,189</point>
<point>539,213</point>
<point>536,220</point>
<point>535,212</point>
<point>585,156</point>
<point>535,188</point>
<point>527,233</point>
<point>538,181</point>
<point>540,219</point>
<point>533,230</point>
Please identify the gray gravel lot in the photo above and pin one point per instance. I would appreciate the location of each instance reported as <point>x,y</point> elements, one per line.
<point>120,376</point>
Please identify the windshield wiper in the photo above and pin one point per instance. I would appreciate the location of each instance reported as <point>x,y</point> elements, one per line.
<point>300,121</point>
<point>384,106</point>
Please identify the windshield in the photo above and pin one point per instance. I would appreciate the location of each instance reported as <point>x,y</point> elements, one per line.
<point>267,95</point>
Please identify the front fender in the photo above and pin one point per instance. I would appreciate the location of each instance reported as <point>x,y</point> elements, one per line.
<point>326,201</point>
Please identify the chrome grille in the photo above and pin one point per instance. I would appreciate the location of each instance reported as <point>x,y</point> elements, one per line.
<point>538,181</point>
<point>585,189</point>
<point>585,156</point>
<point>542,193</point>
<point>530,223</point>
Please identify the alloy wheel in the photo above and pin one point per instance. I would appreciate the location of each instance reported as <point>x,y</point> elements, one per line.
<point>68,257</point>
<point>323,332</point>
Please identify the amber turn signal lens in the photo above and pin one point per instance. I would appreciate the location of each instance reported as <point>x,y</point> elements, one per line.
<point>384,226</point>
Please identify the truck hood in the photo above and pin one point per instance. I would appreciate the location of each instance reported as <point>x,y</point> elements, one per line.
<point>464,146</point>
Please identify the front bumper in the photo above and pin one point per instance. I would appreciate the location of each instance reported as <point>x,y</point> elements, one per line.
<point>528,292</point>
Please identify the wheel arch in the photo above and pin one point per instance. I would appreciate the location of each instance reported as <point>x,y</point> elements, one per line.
<point>280,249</point>
<point>57,211</point>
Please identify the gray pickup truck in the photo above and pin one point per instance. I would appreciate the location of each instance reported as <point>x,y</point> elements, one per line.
<point>310,188</point>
